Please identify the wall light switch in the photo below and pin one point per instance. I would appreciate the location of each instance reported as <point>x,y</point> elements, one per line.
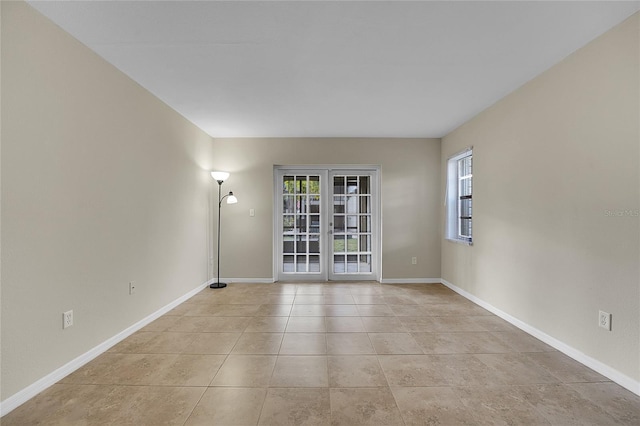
<point>252,212</point>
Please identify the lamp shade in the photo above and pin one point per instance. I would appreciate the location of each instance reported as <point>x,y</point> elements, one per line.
<point>231,199</point>
<point>220,176</point>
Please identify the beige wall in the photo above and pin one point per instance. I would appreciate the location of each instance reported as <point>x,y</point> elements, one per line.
<point>549,161</point>
<point>101,184</point>
<point>410,181</point>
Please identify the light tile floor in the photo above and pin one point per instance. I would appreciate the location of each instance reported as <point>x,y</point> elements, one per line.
<point>330,354</point>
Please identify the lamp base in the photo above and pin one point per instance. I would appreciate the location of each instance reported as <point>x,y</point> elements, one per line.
<point>218,285</point>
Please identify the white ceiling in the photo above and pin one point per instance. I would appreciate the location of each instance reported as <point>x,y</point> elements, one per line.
<point>329,69</point>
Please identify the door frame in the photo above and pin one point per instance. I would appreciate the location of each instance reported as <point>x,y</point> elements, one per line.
<point>325,171</point>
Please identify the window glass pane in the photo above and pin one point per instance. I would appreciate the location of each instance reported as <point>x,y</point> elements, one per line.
<point>303,184</point>
<point>314,184</point>
<point>465,227</point>
<point>288,185</point>
<point>465,187</point>
<point>338,185</point>
<point>465,207</point>
<point>352,184</point>
<point>338,205</point>
<point>464,166</point>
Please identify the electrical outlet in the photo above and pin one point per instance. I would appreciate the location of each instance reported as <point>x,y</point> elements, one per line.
<point>414,260</point>
<point>132,287</point>
<point>604,320</point>
<point>67,319</point>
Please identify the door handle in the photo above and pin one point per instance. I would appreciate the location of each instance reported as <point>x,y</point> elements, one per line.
<point>329,232</point>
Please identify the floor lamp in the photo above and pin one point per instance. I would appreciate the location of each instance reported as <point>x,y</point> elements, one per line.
<point>231,199</point>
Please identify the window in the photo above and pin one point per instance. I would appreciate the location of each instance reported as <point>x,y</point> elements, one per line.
<point>459,201</point>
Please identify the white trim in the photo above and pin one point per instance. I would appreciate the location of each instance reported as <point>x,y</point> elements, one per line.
<point>598,366</point>
<point>410,281</point>
<point>19,398</point>
<point>247,280</point>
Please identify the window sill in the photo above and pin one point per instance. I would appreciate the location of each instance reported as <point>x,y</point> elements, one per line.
<point>463,242</point>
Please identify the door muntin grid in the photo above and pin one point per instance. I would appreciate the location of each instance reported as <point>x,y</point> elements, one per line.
<point>301,224</point>
<point>352,224</point>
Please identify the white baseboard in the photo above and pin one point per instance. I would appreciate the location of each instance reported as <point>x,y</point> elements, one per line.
<point>247,280</point>
<point>410,281</point>
<point>19,398</point>
<point>607,371</point>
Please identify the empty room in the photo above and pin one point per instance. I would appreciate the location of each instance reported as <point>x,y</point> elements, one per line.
<point>319,213</point>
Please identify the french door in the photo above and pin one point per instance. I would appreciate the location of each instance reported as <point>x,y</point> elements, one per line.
<point>327,225</point>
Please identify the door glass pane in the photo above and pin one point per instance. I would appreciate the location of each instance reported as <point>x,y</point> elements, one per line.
<point>301,224</point>
<point>288,204</point>
<point>352,204</point>
<point>314,243</point>
<point>314,225</point>
<point>339,244</point>
<point>365,243</point>
<point>301,263</point>
<point>314,263</point>
<point>338,185</point>
<point>314,184</point>
<point>287,223</point>
<point>365,223</point>
<point>352,243</point>
<point>301,244</point>
<point>352,224</point>
<point>352,263</point>
<point>288,186</point>
<point>364,185</point>
<point>352,184</point>
<point>288,244</point>
<point>301,204</point>
<point>365,263</point>
<point>287,264</point>
<point>338,224</point>
<point>338,205</point>
<point>303,185</point>
<point>314,204</point>
<point>365,204</point>
<point>339,264</point>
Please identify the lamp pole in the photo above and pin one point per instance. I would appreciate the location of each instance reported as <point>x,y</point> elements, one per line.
<point>231,200</point>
